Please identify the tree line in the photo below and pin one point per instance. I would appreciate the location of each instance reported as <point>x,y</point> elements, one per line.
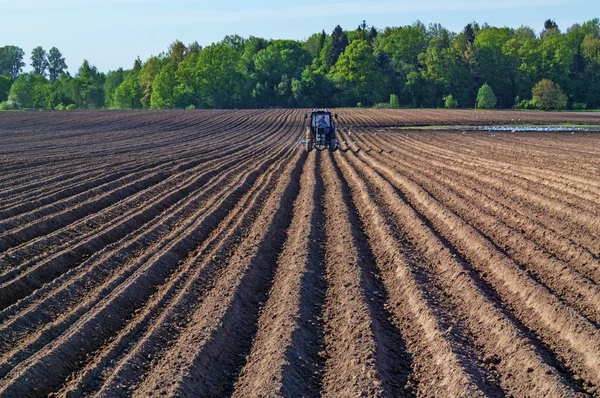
<point>408,66</point>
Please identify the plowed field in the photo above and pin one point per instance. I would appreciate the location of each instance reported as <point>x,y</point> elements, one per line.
<point>204,253</point>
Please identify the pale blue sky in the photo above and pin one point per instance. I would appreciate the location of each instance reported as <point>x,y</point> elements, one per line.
<point>112,33</point>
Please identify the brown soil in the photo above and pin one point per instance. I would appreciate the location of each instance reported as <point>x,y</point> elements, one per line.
<point>204,253</point>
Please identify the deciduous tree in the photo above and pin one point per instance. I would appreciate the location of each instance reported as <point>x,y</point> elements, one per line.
<point>11,61</point>
<point>39,61</point>
<point>548,95</point>
<point>5,85</point>
<point>56,64</point>
<point>486,99</point>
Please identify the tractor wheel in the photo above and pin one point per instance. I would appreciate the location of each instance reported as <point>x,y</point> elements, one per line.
<point>309,145</point>
<point>332,145</point>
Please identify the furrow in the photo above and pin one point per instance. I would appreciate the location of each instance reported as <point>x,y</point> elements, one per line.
<point>575,338</point>
<point>95,327</point>
<point>205,358</point>
<point>123,363</point>
<point>437,363</point>
<point>286,355</point>
<point>364,350</point>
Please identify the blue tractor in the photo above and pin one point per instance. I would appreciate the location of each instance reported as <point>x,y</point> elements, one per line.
<point>320,131</point>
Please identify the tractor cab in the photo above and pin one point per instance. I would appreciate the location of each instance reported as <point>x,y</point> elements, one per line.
<point>320,131</point>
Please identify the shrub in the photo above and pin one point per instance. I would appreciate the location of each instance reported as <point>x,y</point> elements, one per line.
<point>486,99</point>
<point>71,107</point>
<point>10,105</point>
<point>578,106</point>
<point>382,105</point>
<point>526,104</point>
<point>61,107</point>
<point>548,95</point>
<point>394,102</point>
<point>451,102</point>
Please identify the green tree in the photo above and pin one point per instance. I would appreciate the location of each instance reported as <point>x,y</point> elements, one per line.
<point>11,61</point>
<point>113,80</point>
<point>5,85</point>
<point>373,33</point>
<point>22,90</point>
<point>404,44</point>
<point>337,45</point>
<point>194,48</point>
<point>128,95</point>
<point>274,69</point>
<point>220,80</point>
<point>486,99</point>
<point>177,51</point>
<point>356,75</point>
<point>495,66</point>
<point>469,33</point>
<point>56,64</point>
<point>550,28</point>
<point>451,102</point>
<point>548,95</point>
<point>39,63</point>
<point>186,91</point>
<point>314,44</point>
<point>150,70</point>
<point>394,102</point>
<point>314,88</point>
<point>162,88</point>
<point>397,51</point>
<point>89,93</point>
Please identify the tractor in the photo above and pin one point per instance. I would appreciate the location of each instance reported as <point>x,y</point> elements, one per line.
<point>320,131</point>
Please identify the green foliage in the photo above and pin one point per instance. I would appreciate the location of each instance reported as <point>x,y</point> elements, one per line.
<point>5,84</point>
<point>111,84</point>
<point>418,64</point>
<point>314,44</point>
<point>336,46</point>
<point>382,105</point>
<point>526,104</point>
<point>150,70</point>
<point>10,105</point>
<point>39,63</point>
<point>11,61</point>
<point>71,107</point>
<point>162,88</point>
<point>405,44</point>
<point>56,64</point>
<point>548,95</point>
<point>451,102</point>
<point>177,52</point>
<point>22,91</point>
<point>220,80</point>
<point>275,68</point>
<point>486,99</point>
<point>128,94</point>
<point>88,88</point>
<point>356,75</point>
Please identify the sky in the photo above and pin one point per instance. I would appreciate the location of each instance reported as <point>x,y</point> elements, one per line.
<point>113,33</point>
